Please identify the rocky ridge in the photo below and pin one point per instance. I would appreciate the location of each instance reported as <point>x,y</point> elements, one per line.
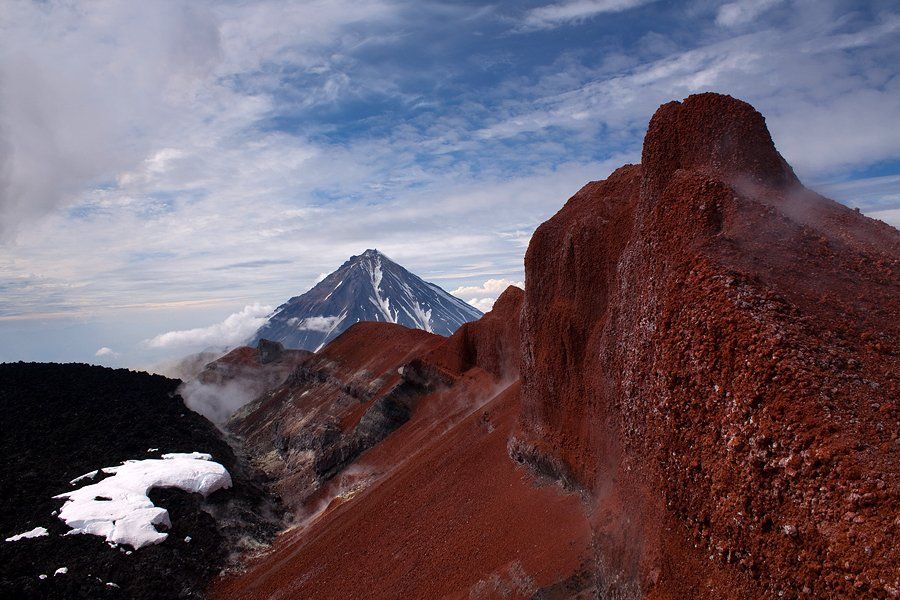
<point>709,350</point>
<point>694,398</point>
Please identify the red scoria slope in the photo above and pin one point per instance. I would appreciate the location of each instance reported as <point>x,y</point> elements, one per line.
<point>267,365</point>
<point>434,509</point>
<point>711,352</point>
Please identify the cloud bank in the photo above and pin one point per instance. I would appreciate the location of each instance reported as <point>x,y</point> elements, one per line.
<point>744,11</point>
<point>236,328</point>
<point>483,296</point>
<point>314,323</point>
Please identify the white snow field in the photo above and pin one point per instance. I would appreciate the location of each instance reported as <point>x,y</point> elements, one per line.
<point>33,533</point>
<point>118,509</point>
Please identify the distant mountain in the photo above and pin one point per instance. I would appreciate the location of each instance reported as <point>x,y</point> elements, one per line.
<point>368,287</point>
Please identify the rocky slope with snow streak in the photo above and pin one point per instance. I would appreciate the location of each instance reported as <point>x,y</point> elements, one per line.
<point>368,287</point>
<point>63,425</point>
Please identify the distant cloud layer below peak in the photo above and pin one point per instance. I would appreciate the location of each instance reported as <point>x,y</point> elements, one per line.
<point>232,331</point>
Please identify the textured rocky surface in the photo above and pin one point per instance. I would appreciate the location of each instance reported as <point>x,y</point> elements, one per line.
<point>62,421</point>
<point>710,351</point>
<point>340,402</point>
<point>695,398</point>
<point>368,287</point>
<point>434,506</point>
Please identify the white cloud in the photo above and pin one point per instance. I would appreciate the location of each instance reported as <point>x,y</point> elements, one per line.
<point>106,352</point>
<point>877,197</point>
<point>144,92</point>
<point>869,193</point>
<point>236,328</point>
<point>827,111</point>
<point>574,11</point>
<point>743,11</point>
<point>482,304</point>
<point>69,115</point>
<point>493,287</point>
<point>890,216</point>
<point>314,323</point>
<point>483,296</point>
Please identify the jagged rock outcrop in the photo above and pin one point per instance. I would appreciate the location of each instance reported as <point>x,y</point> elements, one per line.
<point>490,343</point>
<point>332,407</point>
<point>710,352</point>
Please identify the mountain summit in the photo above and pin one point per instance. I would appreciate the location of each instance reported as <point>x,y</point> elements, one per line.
<point>368,287</point>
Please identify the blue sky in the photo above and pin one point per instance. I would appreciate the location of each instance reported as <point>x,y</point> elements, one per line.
<point>187,165</point>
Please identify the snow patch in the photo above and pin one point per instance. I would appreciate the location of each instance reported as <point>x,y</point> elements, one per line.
<point>380,302</point>
<point>90,475</point>
<point>423,317</point>
<point>118,509</point>
<point>34,533</point>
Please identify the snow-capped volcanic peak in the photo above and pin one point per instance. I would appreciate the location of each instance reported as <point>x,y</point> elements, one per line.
<point>368,287</point>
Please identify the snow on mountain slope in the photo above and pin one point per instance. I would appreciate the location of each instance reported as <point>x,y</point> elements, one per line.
<point>368,287</point>
<point>118,507</point>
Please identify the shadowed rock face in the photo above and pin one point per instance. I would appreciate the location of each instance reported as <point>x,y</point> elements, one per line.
<point>709,349</point>
<point>269,351</point>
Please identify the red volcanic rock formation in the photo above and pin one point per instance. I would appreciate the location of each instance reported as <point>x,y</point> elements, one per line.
<point>434,507</point>
<point>364,385</point>
<point>710,351</point>
<point>334,406</point>
<point>705,358</point>
<point>712,134</point>
<point>269,363</point>
<point>490,343</point>
<point>436,510</point>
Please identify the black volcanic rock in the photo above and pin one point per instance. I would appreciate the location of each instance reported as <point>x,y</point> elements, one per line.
<point>61,421</point>
<point>269,351</point>
<point>368,287</point>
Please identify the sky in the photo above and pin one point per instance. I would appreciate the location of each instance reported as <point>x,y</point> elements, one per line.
<point>171,171</point>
